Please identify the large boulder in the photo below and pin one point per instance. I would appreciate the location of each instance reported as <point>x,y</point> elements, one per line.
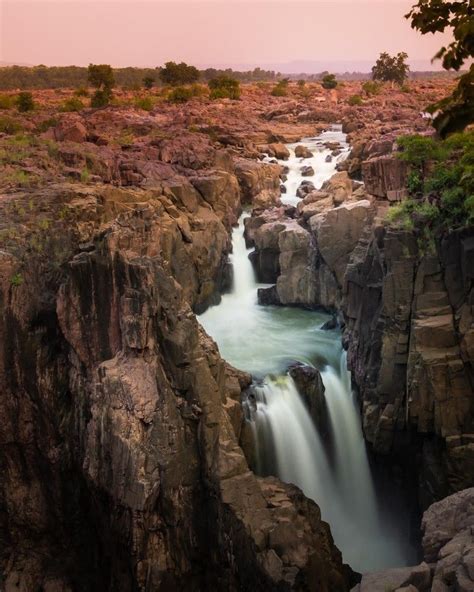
<point>339,187</point>
<point>385,177</point>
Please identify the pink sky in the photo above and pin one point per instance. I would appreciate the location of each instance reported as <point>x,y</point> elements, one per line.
<point>308,36</point>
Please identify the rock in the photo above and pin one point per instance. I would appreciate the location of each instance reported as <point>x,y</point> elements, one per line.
<point>330,325</point>
<point>259,182</point>
<point>305,188</point>
<point>311,388</point>
<point>70,130</point>
<point>307,171</point>
<point>268,296</point>
<point>385,177</point>
<point>279,150</point>
<point>328,158</point>
<point>339,187</point>
<point>303,152</point>
<point>338,231</point>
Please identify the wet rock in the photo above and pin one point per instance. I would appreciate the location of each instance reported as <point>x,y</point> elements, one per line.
<point>268,296</point>
<point>303,152</point>
<point>307,171</point>
<point>279,150</point>
<point>310,386</point>
<point>305,188</point>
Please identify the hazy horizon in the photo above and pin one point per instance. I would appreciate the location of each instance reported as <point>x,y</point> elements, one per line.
<point>298,36</point>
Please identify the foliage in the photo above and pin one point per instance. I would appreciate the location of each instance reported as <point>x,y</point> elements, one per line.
<point>391,68</point>
<point>82,91</point>
<point>101,76</point>
<point>9,126</point>
<point>148,82</point>
<point>224,87</point>
<point>371,88</point>
<point>25,102</point>
<point>16,280</point>
<point>6,101</point>
<point>46,124</point>
<point>72,104</point>
<point>455,112</point>
<point>281,88</point>
<point>178,74</point>
<point>101,98</point>
<point>355,100</point>
<point>180,94</point>
<point>301,83</point>
<point>329,81</point>
<point>440,184</point>
<point>145,103</point>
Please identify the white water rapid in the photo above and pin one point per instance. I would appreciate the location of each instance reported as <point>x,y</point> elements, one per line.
<point>265,340</point>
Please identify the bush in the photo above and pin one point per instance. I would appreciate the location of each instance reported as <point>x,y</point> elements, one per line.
<point>440,184</point>
<point>145,103</point>
<point>82,91</point>
<point>148,82</point>
<point>72,104</point>
<point>301,83</point>
<point>355,100</point>
<point>10,126</point>
<point>329,81</point>
<point>371,88</point>
<point>24,102</point>
<point>224,87</point>
<point>6,102</point>
<point>179,74</point>
<point>281,88</point>
<point>180,94</point>
<point>101,98</point>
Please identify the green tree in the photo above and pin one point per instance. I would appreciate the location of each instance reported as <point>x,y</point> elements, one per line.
<point>391,68</point>
<point>329,81</point>
<point>101,76</point>
<point>25,102</point>
<point>177,74</point>
<point>455,112</point>
<point>148,82</point>
<point>224,87</point>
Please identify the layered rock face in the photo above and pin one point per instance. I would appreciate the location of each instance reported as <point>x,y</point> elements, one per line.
<point>120,421</point>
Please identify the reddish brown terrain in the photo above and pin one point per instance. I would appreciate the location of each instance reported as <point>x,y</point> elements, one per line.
<point>121,439</point>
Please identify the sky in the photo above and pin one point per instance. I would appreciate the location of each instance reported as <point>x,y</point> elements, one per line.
<point>286,35</point>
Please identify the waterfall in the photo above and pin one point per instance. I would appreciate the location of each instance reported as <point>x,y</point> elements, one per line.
<point>265,340</point>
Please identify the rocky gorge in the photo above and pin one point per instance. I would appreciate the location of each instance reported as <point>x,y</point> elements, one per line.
<point>122,433</point>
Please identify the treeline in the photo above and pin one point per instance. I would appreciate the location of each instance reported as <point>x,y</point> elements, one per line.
<point>42,77</point>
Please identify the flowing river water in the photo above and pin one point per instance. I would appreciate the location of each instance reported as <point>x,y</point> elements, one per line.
<point>265,341</point>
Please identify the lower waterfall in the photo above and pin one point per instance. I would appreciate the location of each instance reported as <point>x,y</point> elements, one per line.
<point>334,471</point>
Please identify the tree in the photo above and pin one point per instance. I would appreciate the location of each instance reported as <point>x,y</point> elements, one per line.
<point>148,82</point>
<point>176,74</point>
<point>224,87</point>
<point>101,76</point>
<point>24,102</point>
<point>391,68</point>
<point>455,112</point>
<point>329,81</point>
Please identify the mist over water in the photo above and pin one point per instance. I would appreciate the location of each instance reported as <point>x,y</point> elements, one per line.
<point>266,340</point>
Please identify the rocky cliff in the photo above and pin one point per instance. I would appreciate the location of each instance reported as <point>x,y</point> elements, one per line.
<point>119,420</point>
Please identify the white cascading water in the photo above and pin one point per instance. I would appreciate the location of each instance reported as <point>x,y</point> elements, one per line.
<point>265,340</point>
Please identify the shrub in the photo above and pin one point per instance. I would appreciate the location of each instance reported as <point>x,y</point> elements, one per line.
<point>72,104</point>
<point>371,88</point>
<point>148,82</point>
<point>145,103</point>
<point>355,100</point>
<point>101,98</point>
<point>224,87</point>
<point>82,91</point>
<point>329,81</point>
<point>281,88</point>
<point>301,83</point>
<point>6,102</point>
<point>45,125</point>
<point>25,102</point>
<point>179,74</point>
<point>180,94</point>
<point>9,126</point>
